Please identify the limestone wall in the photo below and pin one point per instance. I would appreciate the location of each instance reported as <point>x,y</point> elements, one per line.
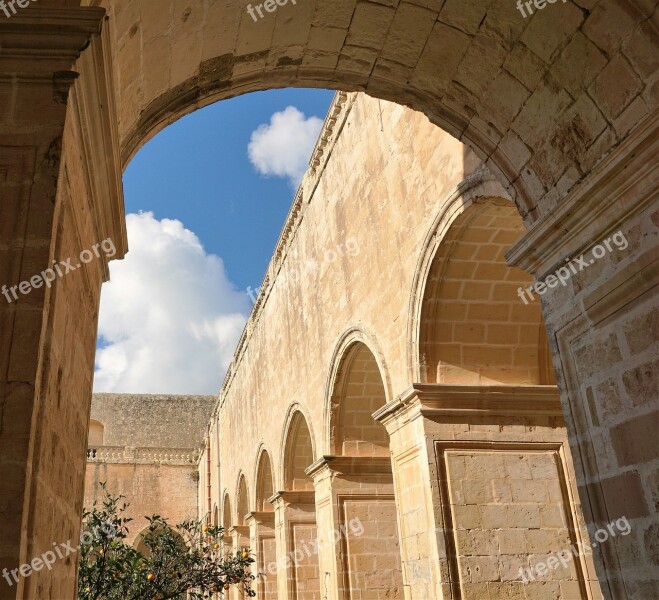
<point>406,169</point>
<point>146,448</point>
<point>152,421</point>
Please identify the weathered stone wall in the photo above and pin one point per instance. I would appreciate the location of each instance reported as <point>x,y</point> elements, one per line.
<point>158,486</point>
<point>50,211</point>
<point>403,173</point>
<point>148,453</point>
<point>407,168</point>
<point>153,421</point>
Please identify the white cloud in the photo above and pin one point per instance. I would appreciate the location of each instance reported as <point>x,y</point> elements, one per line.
<point>283,147</point>
<point>169,315</point>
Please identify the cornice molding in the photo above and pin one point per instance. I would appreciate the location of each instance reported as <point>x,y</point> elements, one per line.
<point>36,42</point>
<point>351,465</point>
<point>621,185</point>
<point>326,139</point>
<point>293,497</point>
<point>92,99</point>
<point>261,517</point>
<point>436,400</point>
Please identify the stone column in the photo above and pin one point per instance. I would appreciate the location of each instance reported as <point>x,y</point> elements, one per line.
<point>485,492</point>
<point>263,547</point>
<point>357,531</point>
<point>598,253</point>
<point>295,531</point>
<point>240,538</point>
<point>60,193</point>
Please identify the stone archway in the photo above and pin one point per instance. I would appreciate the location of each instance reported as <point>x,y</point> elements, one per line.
<point>484,73</point>
<point>227,519</point>
<point>475,328</point>
<point>262,529</point>
<point>560,107</point>
<point>355,495</point>
<point>295,514</point>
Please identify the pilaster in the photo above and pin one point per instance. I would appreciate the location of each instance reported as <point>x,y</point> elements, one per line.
<point>602,328</point>
<point>262,544</point>
<point>295,531</point>
<point>477,469</point>
<point>358,540</point>
<point>61,194</point>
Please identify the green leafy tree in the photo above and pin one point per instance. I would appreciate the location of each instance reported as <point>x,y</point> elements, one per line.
<point>174,561</point>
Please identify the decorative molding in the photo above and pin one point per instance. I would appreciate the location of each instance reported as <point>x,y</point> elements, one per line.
<point>639,277</point>
<point>53,36</point>
<point>437,400</point>
<point>286,497</point>
<point>491,447</point>
<point>241,530</point>
<point>92,101</point>
<point>622,185</point>
<point>261,517</point>
<point>326,139</point>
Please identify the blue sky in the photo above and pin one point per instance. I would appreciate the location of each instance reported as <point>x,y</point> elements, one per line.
<point>206,200</point>
<point>197,170</point>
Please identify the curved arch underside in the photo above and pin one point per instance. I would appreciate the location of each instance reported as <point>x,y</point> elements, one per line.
<point>541,99</point>
<point>470,331</point>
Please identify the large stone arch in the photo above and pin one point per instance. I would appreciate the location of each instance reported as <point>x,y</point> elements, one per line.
<point>565,97</point>
<point>515,89</point>
<point>474,328</point>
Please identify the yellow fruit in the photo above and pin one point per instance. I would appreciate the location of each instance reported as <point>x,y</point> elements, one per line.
<point>245,554</point>
<point>216,546</point>
<point>150,577</point>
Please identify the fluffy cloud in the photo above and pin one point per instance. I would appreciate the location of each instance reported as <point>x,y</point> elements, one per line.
<point>170,318</point>
<point>283,147</point>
